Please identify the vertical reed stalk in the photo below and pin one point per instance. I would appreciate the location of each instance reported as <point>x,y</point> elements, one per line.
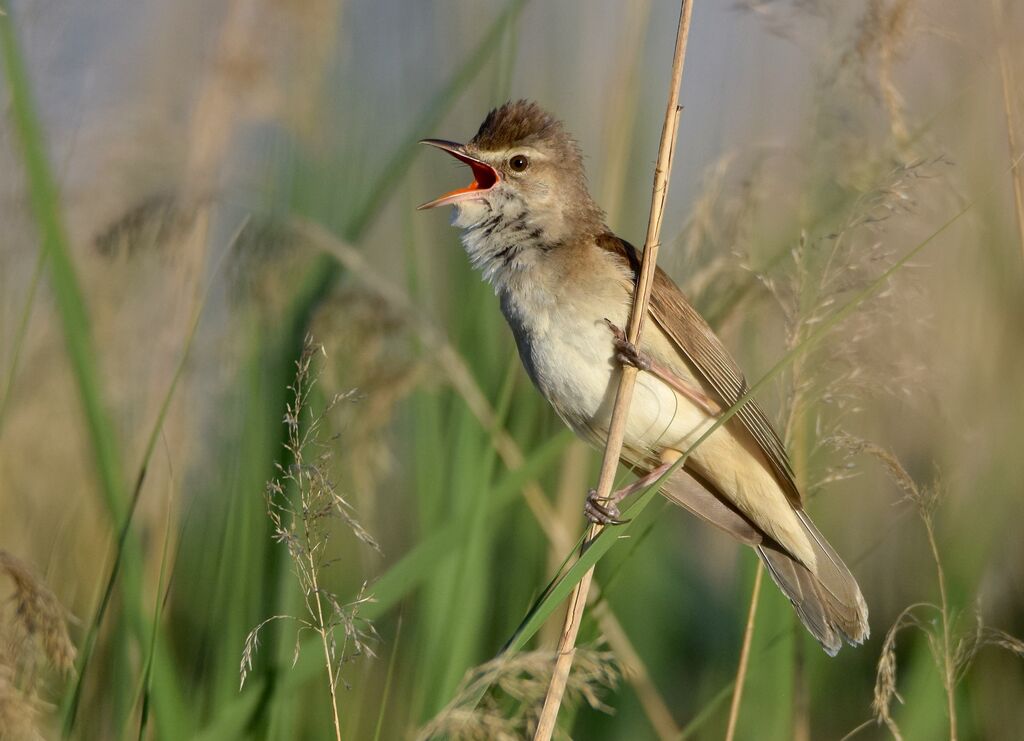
<point>797,432</point>
<point>1006,73</point>
<point>949,661</point>
<point>741,670</point>
<point>616,432</point>
<point>801,721</point>
<point>322,629</point>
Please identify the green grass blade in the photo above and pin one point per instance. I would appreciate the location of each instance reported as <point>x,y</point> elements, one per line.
<point>397,583</point>
<point>563,585</point>
<point>467,610</point>
<point>67,292</point>
<point>90,640</point>
<point>146,681</point>
<point>19,337</point>
<point>706,713</point>
<point>410,571</point>
<point>74,318</point>
<point>386,692</point>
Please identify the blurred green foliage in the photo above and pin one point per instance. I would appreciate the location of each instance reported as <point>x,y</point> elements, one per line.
<point>429,452</point>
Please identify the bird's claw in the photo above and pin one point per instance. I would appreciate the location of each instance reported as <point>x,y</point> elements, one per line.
<point>625,351</point>
<point>616,331</point>
<point>601,514</point>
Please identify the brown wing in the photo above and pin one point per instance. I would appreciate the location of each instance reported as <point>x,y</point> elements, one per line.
<point>699,345</point>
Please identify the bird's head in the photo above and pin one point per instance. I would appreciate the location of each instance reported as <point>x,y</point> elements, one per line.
<point>528,177</point>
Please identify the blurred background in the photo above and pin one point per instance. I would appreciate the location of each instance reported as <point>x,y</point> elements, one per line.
<point>232,177</point>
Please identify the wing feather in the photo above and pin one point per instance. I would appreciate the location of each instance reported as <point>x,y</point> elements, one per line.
<point>705,353</point>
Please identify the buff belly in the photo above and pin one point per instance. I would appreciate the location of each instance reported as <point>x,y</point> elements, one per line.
<point>572,363</point>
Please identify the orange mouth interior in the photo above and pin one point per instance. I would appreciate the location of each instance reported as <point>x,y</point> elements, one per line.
<point>484,176</point>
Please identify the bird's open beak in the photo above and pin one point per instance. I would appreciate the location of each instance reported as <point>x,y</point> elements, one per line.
<point>485,177</point>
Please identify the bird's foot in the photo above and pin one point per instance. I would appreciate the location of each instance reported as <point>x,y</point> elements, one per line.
<point>625,351</point>
<point>602,511</point>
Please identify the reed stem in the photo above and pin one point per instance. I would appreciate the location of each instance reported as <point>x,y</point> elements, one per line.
<point>617,428</point>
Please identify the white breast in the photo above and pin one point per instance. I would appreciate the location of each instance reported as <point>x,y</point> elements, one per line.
<point>567,350</point>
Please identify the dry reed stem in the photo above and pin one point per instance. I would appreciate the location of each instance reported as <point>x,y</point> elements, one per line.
<point>741,670</point>
<point>462,380</point>
<point>1006,73</point>
<point>620,412</point>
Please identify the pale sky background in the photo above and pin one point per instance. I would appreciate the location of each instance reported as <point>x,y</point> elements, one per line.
<point>115,78</point>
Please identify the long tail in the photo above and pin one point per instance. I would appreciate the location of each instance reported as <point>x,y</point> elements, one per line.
<point>829,602</point>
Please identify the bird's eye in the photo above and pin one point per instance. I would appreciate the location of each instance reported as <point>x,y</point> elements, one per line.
<point>519,163</point>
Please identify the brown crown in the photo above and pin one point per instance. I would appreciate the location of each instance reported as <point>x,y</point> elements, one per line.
<point>519,122</point>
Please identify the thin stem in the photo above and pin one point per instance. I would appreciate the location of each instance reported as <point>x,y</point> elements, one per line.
<point>741,670</point>
<point>863,726</point>
<point>948,664</point>
<point>386,693</point>
<point>1006,73</point>
<point>801,702</point>
<point>308,575</point>
<point>322,628</point>
<point>796,439</point>
<point>617,428</point>
<point>19,337</point>
<point>748,634</point>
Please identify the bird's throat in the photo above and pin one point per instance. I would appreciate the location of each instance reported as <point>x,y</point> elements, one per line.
<point>503,238</point>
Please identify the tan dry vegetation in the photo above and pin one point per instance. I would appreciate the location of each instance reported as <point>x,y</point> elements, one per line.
<point>34,643</point>
<point>823,140</point>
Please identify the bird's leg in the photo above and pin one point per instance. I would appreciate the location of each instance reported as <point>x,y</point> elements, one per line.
<point>605,511</point>
<point>629,354</point>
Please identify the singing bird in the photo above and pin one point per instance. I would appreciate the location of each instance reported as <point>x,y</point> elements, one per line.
<point>565,284</point>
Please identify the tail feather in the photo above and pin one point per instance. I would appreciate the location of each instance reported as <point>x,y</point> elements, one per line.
<point>826,597</point>
<point>828,600</point>
<point>798,584</point>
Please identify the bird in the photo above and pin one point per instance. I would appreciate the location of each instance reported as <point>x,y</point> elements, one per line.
<point>565,283</point>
